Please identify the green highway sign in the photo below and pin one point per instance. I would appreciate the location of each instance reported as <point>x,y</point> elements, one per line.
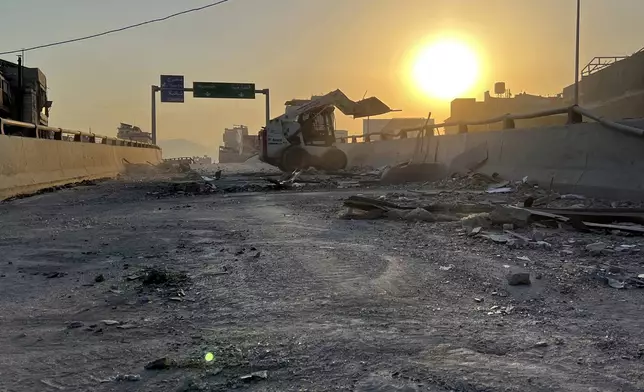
<point>223,90</point>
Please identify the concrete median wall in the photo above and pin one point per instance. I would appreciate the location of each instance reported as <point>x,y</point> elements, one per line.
<point>583,158</point>
<point>28,165</point>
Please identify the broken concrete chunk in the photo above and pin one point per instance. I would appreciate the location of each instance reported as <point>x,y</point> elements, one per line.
<point>477,220</point>
<point>518,278</point>
<point>498,238</point>
<point>538,235</point>
<point>508,226</point>
<point>519,217</point>
<point>596,248</point>
<point>255,376</point>
<point>615,283</point>
<point>420,214</point>
<point>542,245</point>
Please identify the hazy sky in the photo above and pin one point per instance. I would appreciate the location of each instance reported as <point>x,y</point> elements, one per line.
<point>296,48</point>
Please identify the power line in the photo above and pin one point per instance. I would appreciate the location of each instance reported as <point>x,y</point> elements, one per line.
<point>116,30</point>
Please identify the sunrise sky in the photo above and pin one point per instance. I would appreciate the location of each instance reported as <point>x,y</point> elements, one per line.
<point>298,48</point>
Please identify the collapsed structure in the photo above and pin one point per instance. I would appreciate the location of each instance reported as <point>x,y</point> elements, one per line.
<point>238,145</point>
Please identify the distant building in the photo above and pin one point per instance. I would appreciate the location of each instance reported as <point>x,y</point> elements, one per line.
<point>469,109</point>
<point>391,126</point>
<point>238,145</point>
<point>134,133</point>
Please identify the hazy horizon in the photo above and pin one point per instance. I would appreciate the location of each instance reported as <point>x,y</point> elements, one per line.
<point>297,48</point>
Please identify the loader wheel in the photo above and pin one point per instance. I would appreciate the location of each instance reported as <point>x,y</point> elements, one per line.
<point>295,158</point>
<point>333,159</point>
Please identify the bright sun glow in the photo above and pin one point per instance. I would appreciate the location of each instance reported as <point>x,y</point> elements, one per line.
<point>446,69</point>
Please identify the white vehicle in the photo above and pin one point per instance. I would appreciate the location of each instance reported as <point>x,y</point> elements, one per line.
<point>304,135</point>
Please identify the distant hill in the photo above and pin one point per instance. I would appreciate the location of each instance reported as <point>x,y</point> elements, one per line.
<point>174,148</point>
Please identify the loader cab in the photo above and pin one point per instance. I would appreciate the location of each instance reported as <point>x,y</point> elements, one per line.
<point>318,127</point>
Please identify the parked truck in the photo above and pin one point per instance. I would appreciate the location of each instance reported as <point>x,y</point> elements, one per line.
<point>23,98</point>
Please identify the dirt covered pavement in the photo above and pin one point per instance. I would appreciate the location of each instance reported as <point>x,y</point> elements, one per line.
<point>273,291</point>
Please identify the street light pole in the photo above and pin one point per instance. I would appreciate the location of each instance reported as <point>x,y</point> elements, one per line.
<point>577,55</point>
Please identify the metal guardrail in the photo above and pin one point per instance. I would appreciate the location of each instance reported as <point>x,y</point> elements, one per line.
<point>575,116</point>
<point>45,132</point>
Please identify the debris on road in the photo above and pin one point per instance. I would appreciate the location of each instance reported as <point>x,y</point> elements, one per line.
<point>154,276</point>
<point>518,279</point>
<point>75,324</point>
<point>159,364</point>
<point>446,267</point>
<point>123,377</point>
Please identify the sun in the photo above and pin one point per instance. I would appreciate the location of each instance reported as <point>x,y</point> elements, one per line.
<point>445,69</point>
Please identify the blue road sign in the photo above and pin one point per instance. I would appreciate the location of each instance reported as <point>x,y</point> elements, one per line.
<point>172,81</point>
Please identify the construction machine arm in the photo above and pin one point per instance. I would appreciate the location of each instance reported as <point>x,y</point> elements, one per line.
<point>366,107</point>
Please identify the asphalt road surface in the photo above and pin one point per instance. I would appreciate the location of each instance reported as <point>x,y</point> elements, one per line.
<point>98,281</point>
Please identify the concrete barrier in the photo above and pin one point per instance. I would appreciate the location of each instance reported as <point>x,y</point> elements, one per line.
<point>28,164</point>
<point>583,158</point>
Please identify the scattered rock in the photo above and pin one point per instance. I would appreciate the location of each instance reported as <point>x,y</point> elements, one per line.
<point>53,275</point>
<point>615,283</point>
<point>542,245</point>
<point>176,299</point>
<point>99,278</point>
<point>518,278</point>
<point>420,214</point>
<point>596,248</point>
<point>110,322</point>
<point>446,267</point>
<point>127,377</point>
<point>159,364</point>
<point>476,230</point>
<point>479,300</point>
<point>508,226</point>
<point>538,235</point>
<point>541,343</point>
<point>75,324</point>
<point>257,255</point>
<point>524,258</point>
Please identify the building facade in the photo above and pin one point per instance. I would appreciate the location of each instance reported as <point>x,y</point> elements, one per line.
<point>469,109</point>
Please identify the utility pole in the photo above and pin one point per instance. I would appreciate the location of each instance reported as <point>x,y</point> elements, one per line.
<point>577,54</point>
<point>20,97</point>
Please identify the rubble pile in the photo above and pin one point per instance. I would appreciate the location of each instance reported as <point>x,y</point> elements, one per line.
<point>519,215</point>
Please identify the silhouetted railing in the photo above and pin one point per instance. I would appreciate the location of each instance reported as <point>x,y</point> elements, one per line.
<point>53,133</point>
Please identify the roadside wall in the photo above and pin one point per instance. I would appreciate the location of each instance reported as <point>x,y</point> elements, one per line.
<point>28,164</point>
<point>583,158</point>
